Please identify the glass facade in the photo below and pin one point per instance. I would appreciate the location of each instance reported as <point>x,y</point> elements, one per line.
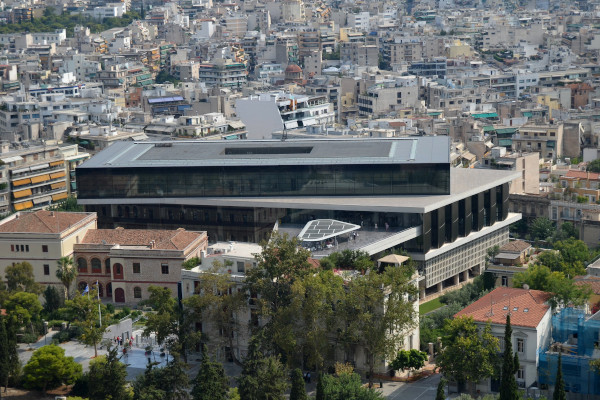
<point>290,180</point>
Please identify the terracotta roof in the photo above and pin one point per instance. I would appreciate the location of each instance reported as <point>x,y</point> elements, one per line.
<point>494,307</point>
<point>582,174</point>
<point>516,246</point>
<point>163,239</point>
<point>314,262</point>
<point>293,68</point>
<point>42,221</point>
<point>592,281</point>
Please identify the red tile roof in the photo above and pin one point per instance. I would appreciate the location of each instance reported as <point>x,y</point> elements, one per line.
<point>494,306</point>
<point>43,221</point>
<point>163,239</point>
<point>582,174</point>
<point>516,246</point>
<point>592,281</point>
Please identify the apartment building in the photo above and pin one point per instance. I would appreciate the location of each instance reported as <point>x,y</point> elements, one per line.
<point>388,97</point>
<point>526,163</point>
<point>41,238</point>
<point>223,73</point>
<point>547,140</point>
<point>36,176</point>
<point>125,262</point>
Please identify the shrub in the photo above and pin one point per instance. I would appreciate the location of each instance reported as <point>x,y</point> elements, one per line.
<point>110,308</point>
<point>55,323</point>
<point>28,338</point>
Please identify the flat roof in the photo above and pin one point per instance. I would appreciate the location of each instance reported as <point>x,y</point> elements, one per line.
<point>464,182</point>
<point>410,150</point>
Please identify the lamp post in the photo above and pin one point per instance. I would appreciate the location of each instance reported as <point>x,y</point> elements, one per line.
<point>45,331</point>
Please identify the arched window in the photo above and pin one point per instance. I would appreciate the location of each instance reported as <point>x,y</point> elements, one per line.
<point>137,292</point>
<point>107,265</point>
<point>118,271</point>
<point>100,290</point>
<point>96,266</point>
<point>109,289</point>
<point>81,264</point>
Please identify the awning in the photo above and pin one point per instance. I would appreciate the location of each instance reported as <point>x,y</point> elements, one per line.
<point>22,182</point>
<point>45,199</point>
<point>141,136</point>
<point>291,124</point>
<point>488,128</point>
<point>20,170</point>
<point>73,185</point>
<point>528,114</point>
<point>505,142</point>
<point>11,159</point>
<point>41,178</point>
<point>55,163</point>
<point>58,185</point>
<point>22,193</point>
<point>434,113</point>
<point>485,115</point>
<point>38,167</point>
<point>58,175</point>
<point>309,122</point>
<point>23,206</point>
<point>60,196</point>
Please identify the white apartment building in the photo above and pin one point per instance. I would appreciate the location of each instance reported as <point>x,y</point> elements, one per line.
<point>266,113</point>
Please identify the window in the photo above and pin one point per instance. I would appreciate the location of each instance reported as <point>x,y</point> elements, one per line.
<point>96,266</point>
<point>501,343</point>
<point>82,264</point>
<point>240,267</point>
<point>137,292</point>
<point>12,247</point>
<point>521,345</point>
<point>46,269</point>
<point>44,248</point>
<point>27,247</point>
<point>107,265</point>
<point>521,374</point>
<point>164,268</point>
<point>22,247</point>
<point>136,268</point>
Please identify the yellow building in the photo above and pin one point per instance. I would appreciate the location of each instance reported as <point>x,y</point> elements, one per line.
<point>41,238</point>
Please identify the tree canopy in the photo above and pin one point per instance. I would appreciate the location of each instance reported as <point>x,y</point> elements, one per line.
<point>468,355</point>
<point>20,277</point>
<point>211,383</point>
<point>108,377</point>
<point>594,166</point>
<point>49,368</point>
<point>85,312</point>
<point>564,290</point>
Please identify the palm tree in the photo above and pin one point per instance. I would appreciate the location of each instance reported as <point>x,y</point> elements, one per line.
<point>66,272</point>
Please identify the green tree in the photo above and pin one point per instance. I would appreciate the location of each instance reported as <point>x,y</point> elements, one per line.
<point>508,384</point>
<point>574,254</point>
<point>559,386</point>
<point>217,300</point>
<point>108,377</point>
<point>172,324</point>
<point>281,262</point>
<point>347,386</point>
<point>320,395</point>
<point>191,263</point>
<point>409,359</point>
<point>49,368</point>
<point>377,319</point>
<point>85,312</point>
<point>564,290</point>
<point>52,299</point>
<point>541,228</point>
<point>441,394</point>
<point>167,383</point>
<point>24,308</point>
<point>19,277</point>
<point>66,273</point>
<point>298,391</point>
<point>211,383</point>
<point>4,354</point>
<point>263,377</point>
<point>468,356</point>
<point>594,166</point>
<point>69,205</point>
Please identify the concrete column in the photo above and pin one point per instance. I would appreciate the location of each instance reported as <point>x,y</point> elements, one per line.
<point>465,275</point>
<point>456,279</point>
<point>439,287</point>
<point>421,293</point>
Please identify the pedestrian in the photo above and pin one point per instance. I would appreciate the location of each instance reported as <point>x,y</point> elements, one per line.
<point>387,226</point>
<point>308,377</point>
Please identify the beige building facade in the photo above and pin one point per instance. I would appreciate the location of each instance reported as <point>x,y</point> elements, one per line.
<point>41,238</point>
<point>124,263</point>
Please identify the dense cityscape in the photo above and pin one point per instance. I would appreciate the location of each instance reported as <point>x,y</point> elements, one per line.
<point>289,199</point>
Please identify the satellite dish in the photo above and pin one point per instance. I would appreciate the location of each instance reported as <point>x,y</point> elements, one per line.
<point>525,286</point>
